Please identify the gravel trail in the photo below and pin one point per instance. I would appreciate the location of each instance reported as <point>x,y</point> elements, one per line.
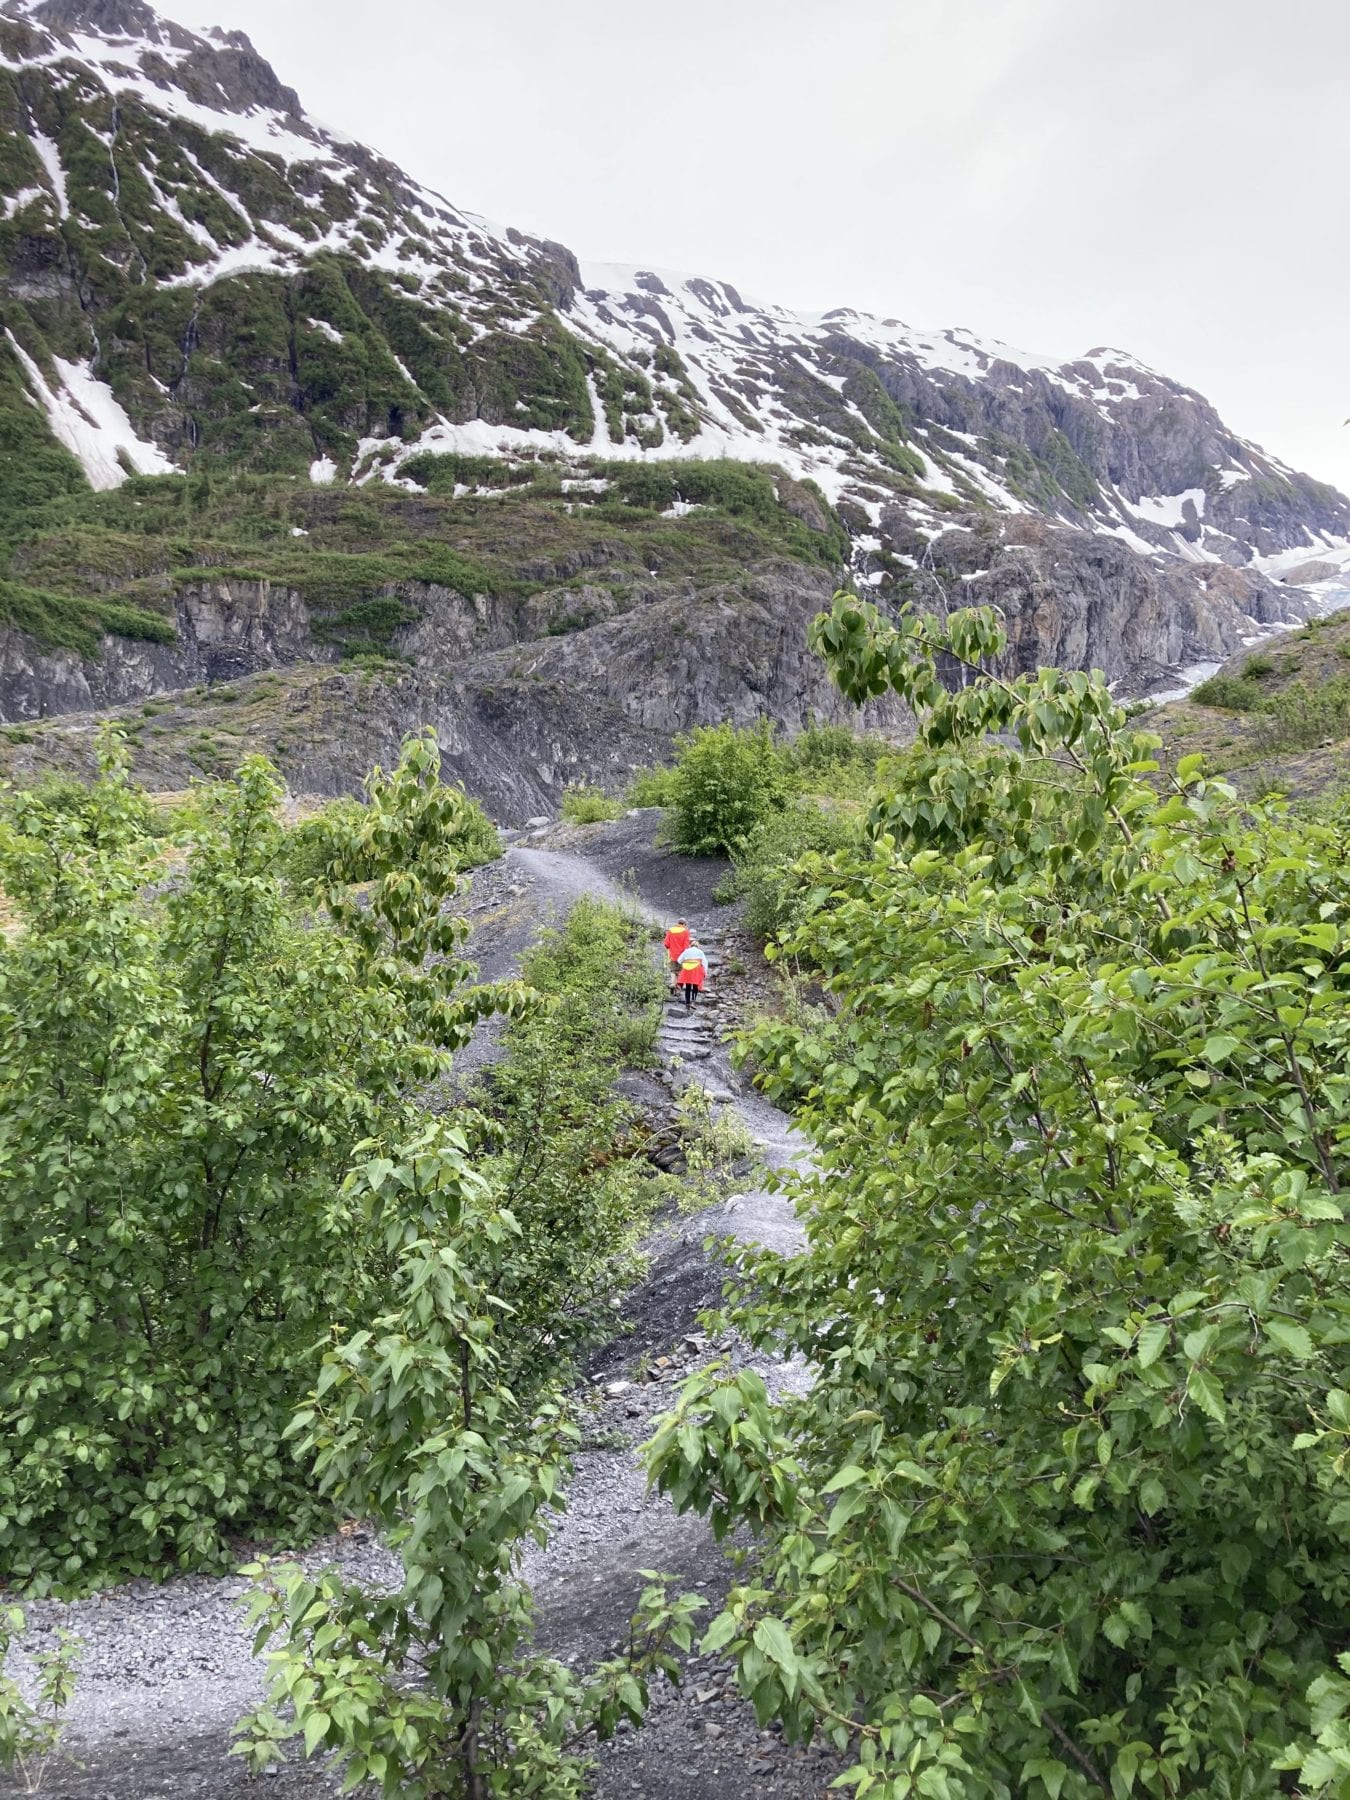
<point>167,1669</point>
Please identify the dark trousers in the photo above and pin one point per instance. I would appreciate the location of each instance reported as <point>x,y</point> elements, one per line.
<point>688,989</point>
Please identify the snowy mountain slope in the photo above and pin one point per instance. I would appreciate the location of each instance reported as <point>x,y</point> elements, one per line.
<point>195,276</point>
<point>255,288</point>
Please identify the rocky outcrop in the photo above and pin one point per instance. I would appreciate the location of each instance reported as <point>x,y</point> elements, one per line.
<point>1075,600</point>
<point>225,629</point>
<point>516,722</point>
<point>687,657</point>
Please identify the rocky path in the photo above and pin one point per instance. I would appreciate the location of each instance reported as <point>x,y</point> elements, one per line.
<point>167,1669</point>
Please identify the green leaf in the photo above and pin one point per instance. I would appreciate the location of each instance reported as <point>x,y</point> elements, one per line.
<point>771,1636</point>
<point>316,1730</point>
<point>1152,1495</point>
<point>846,1477</point>
<point>1152,1341</point>
<point>1204,1388</point>
<point>1293,1338</point>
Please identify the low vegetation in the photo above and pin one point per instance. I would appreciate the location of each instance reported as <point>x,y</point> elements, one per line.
<point>585,804</point>
<point>726,782</point>
<point>232,1044</point>
<point>363,558</point>
<point>1281,718</point>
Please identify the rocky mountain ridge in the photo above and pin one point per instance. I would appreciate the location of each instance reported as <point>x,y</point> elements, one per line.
<point>197,278</point>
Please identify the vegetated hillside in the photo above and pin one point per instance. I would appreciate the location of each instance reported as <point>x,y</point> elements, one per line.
<point>1275,719</point>
<point>548,635</point>
<point>194,276</point>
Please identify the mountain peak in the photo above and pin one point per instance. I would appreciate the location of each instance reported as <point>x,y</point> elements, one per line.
<point>217,276</point>
<point>218,69</point>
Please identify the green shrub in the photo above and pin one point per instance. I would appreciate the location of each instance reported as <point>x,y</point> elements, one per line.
<point>31,1729</point>
<point>67,799</point>
<point>1231,693</point>
<point>727,781</point>
<point>443,471</point>
<point>445,1423</point>
<point>780,860</point>
<point>831,759</point>
<point>77,622</point>
<point>1302,715</point>
<point>310,849</point>
<point>734,487</point>
<point>652,786</point>
<point>173,1232</point>
<point>583,804</point>
<point>1064,1510</point>
<point>1256,667</point>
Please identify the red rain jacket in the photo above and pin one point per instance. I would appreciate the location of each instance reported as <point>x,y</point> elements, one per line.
<point>676,941</point>
<point>693,970</point>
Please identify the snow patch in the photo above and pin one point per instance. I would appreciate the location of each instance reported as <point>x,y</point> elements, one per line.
<point>1132,538</point>
<point>322,471</point>
<point>87,418</point>
<point>1166,509</point>
<point>51,162</point>
<point>15,203</point>
<point>325,329</point>
<point>1184,681</point>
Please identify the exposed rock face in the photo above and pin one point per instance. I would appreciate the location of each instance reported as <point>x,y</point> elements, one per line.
<point>225,629</point>
<point>516,722</point>
<point>1074,600</point>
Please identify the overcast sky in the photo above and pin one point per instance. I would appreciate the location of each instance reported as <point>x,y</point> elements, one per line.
<point>1165,176</point>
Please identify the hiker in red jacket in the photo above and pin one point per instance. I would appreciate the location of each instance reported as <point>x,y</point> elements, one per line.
<point>676,941</point>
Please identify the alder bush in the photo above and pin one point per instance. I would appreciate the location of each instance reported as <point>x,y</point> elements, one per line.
<point>188,1062</point>
<point>727,779</point>
<point>1066,1510</point>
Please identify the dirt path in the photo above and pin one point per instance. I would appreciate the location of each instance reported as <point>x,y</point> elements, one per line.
<point>167,1669</point>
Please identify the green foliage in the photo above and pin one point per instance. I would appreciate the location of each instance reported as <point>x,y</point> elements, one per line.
<point>735,487</point>
<point>778,862</point>
<point>726,781</point>
<point>718,1148</point>
<point>1066,1510</point>
<point>34,467</point>
<point>1232,693</point>
<point>310,849</point>
<point>832,760</point>
<point>583,804</point>
<point>66,798</point>
<point>443,1422</point>
<point>1304,714</point>
<point>443,471</point>
<point>188,1068</point>
<point>536,380</point>
<point>63,622</point>
<point>567,1153</point>
<point>652,786</point>
<point>31,1730</point>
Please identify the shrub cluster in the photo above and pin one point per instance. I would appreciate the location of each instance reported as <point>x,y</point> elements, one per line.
<point>188,1067</point>
<point>584,804</point>
<point>1065,1510</point>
